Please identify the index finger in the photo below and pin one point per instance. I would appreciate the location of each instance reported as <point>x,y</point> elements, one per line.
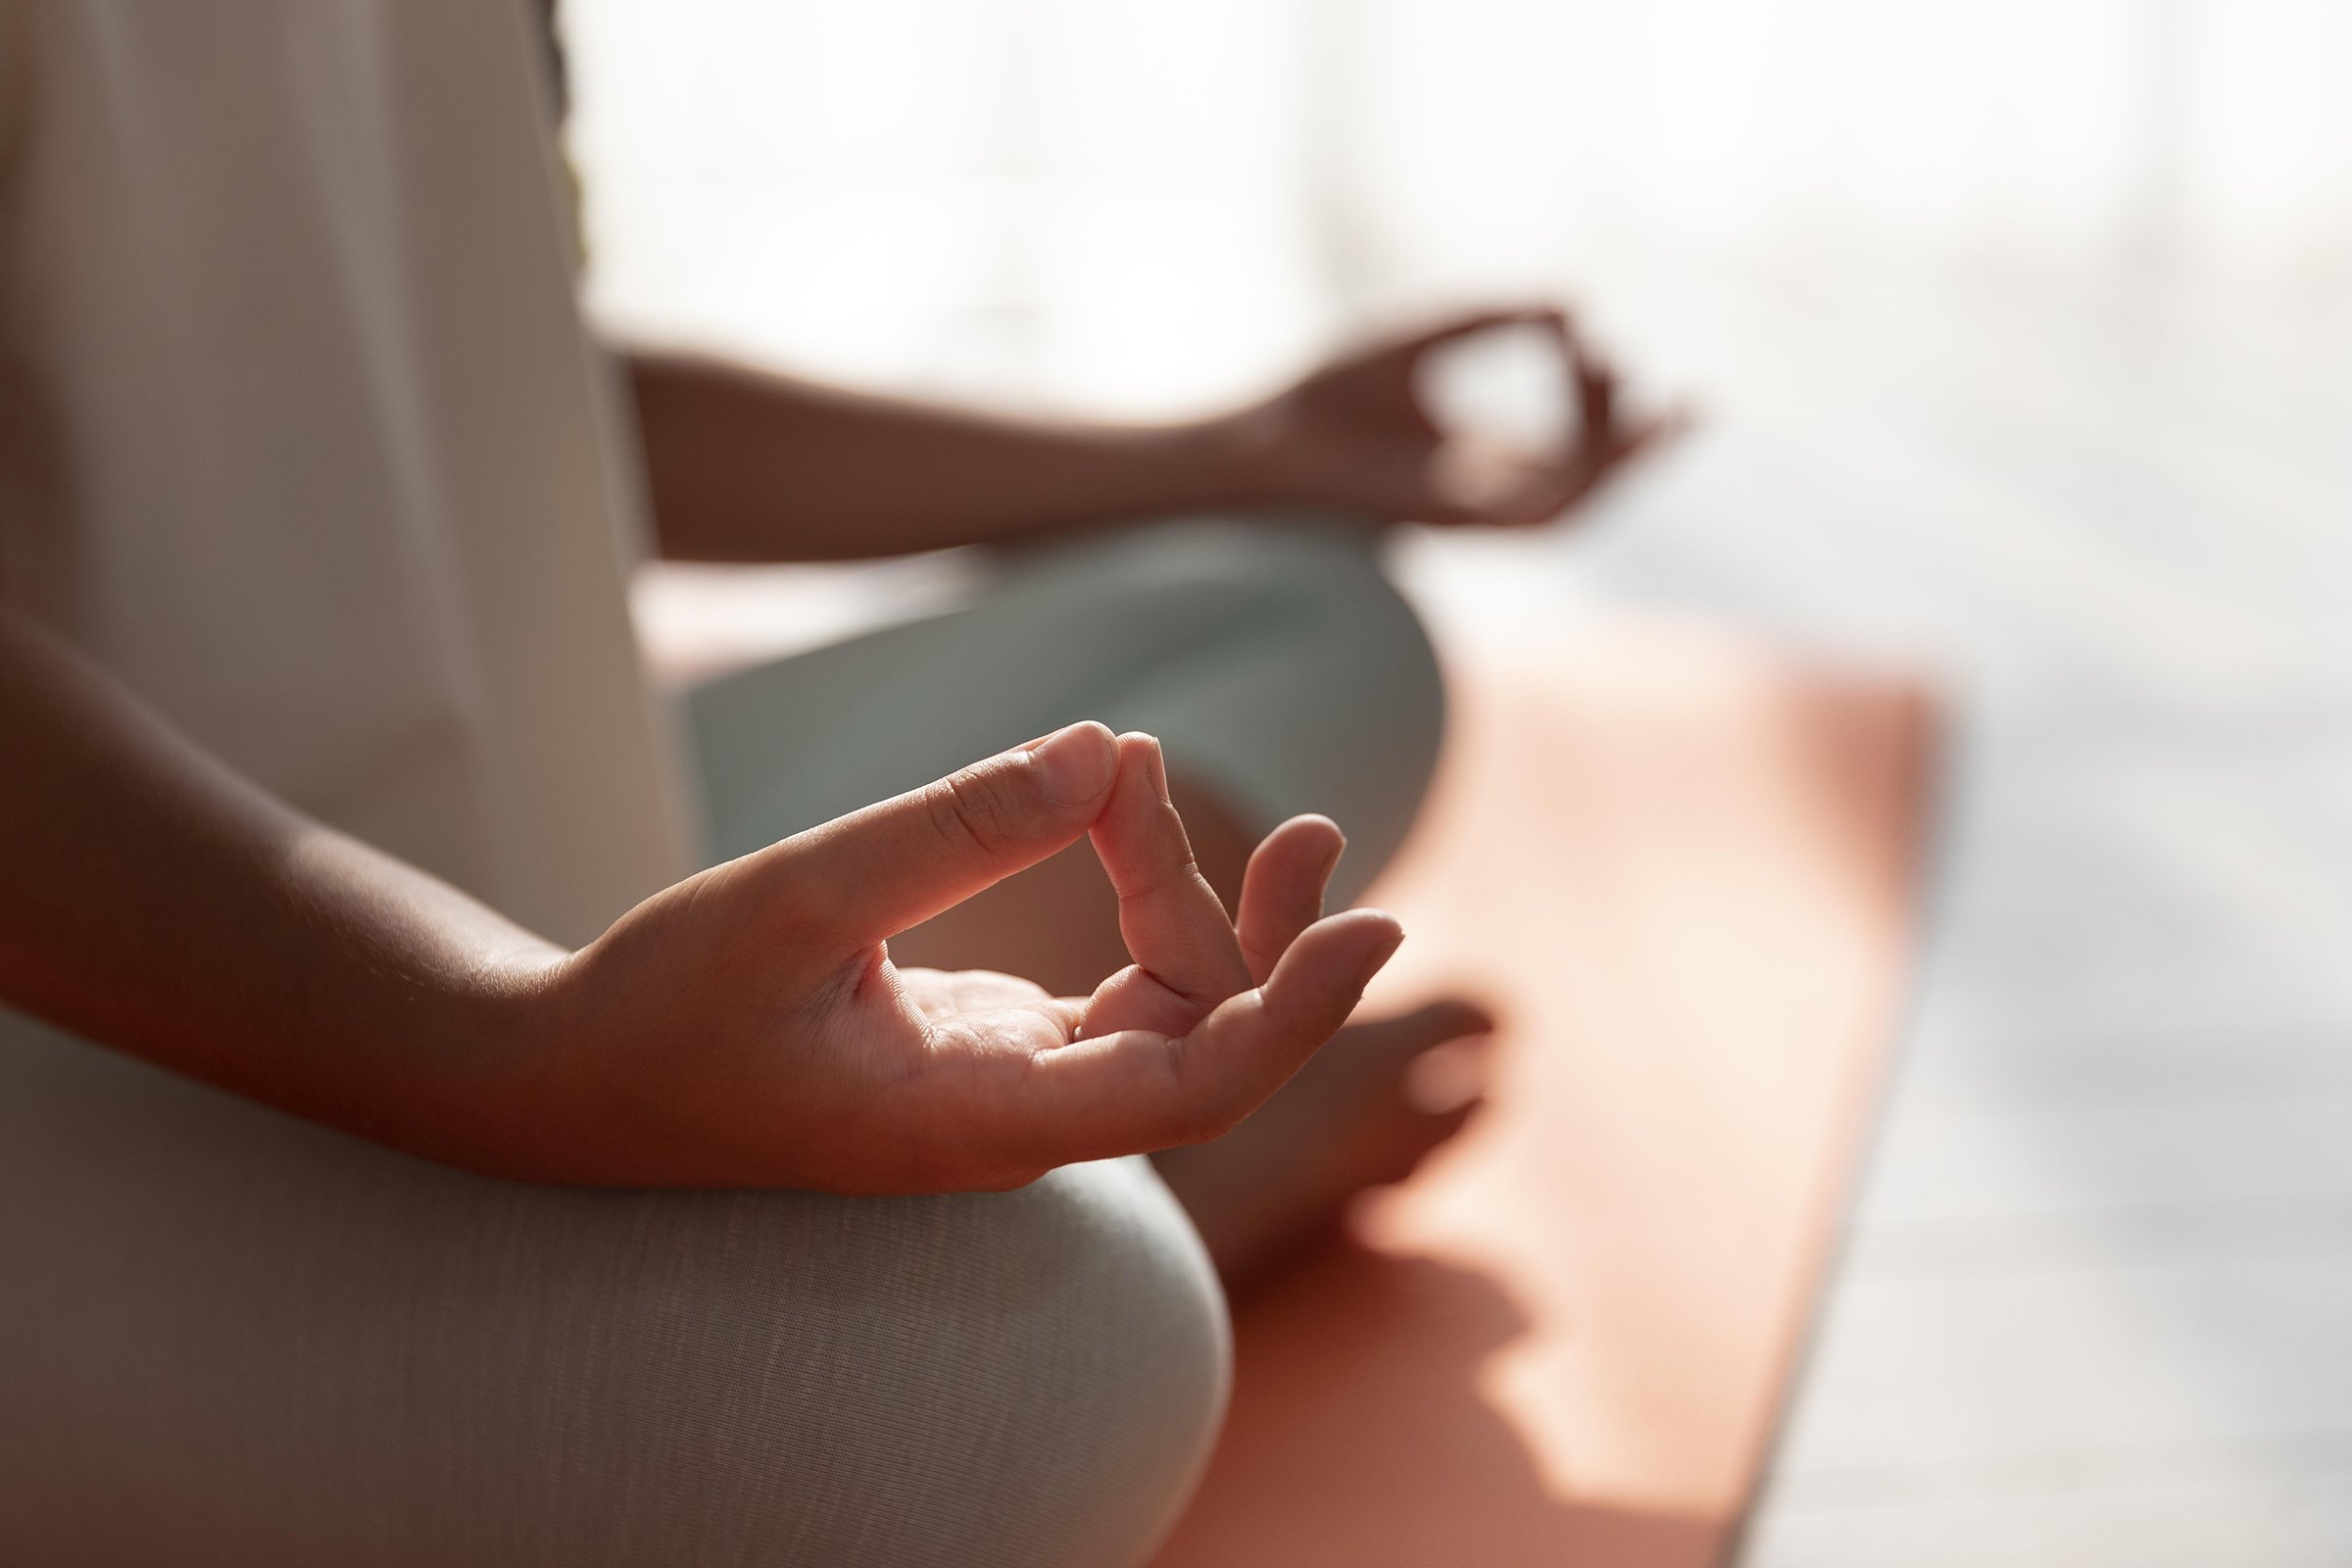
<point>1594,383</point>
<point>1135,1091</point>
<point>1187,958</point>
<point>1470,324</point>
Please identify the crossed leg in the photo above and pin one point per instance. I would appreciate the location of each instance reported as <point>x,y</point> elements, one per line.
<point>228,1337</point>
<point>1362,1112</point>
<point>1281,674</point>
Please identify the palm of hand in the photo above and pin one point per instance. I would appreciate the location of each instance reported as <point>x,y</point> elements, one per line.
<point>1357,432</point>
<point>804,1058</point>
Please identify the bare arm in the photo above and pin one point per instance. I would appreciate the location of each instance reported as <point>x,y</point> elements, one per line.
<point>151,898</point>
<point>748,465</point>
<point>745,1027</point>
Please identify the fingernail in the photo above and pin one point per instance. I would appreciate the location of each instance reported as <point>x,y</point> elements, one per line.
<point>1331,861</point>
<point>1378,958</point>
<point>1154,759</point>
<point>1074,764</point>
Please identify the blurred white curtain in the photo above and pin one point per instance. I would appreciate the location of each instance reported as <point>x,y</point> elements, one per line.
<point>1122,203</point>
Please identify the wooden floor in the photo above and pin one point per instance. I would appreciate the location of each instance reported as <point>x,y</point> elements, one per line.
<point>1682,868</point>
<point>2094,1307</point>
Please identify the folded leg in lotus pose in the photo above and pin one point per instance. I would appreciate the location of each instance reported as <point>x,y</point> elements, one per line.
<point>1245,621</point>
<point>473,1178</point>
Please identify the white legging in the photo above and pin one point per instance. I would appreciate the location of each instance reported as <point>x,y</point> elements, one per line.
<point>228,1337</point>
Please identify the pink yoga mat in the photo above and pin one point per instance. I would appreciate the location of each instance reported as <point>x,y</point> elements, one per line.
<point>1686,868</point>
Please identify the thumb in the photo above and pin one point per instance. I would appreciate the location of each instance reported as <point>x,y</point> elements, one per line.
<point>875,872</point>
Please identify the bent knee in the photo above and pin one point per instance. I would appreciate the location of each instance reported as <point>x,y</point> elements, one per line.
<point>1091,1362</point>
<point>1312,685</point>
<point>437,1368</point>
<point>1022,1377</point>
<point>1320,577</point>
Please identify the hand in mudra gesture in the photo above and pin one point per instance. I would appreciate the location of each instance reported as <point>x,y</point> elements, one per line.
<point>1358,432</point>
<point>747,1026</point>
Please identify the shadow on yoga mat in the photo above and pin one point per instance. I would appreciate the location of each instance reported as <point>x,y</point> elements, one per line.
<point>1685,867</point>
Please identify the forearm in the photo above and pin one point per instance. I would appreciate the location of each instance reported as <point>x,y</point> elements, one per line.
<point>153,900</point>
<point>746,465</point>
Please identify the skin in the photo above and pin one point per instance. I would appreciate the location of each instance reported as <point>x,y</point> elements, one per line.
<point>748,1026</point>
<point>746,465</point>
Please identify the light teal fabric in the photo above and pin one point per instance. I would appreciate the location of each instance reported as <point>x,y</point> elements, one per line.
<point>1271,657</point>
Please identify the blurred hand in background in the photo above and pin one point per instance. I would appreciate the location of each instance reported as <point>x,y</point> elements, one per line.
<point>1360,431</point>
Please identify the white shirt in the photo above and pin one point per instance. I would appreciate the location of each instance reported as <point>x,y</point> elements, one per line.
<point>310,445</point>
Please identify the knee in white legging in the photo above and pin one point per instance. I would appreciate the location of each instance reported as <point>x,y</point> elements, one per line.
<point>230,1338</point>
<point>1029,1377</point>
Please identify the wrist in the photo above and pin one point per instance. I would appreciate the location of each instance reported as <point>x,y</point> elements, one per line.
<point>488,1055</point>
<point>1243,456</point>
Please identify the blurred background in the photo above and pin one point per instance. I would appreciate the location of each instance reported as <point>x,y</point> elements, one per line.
<point>2019,332</point>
